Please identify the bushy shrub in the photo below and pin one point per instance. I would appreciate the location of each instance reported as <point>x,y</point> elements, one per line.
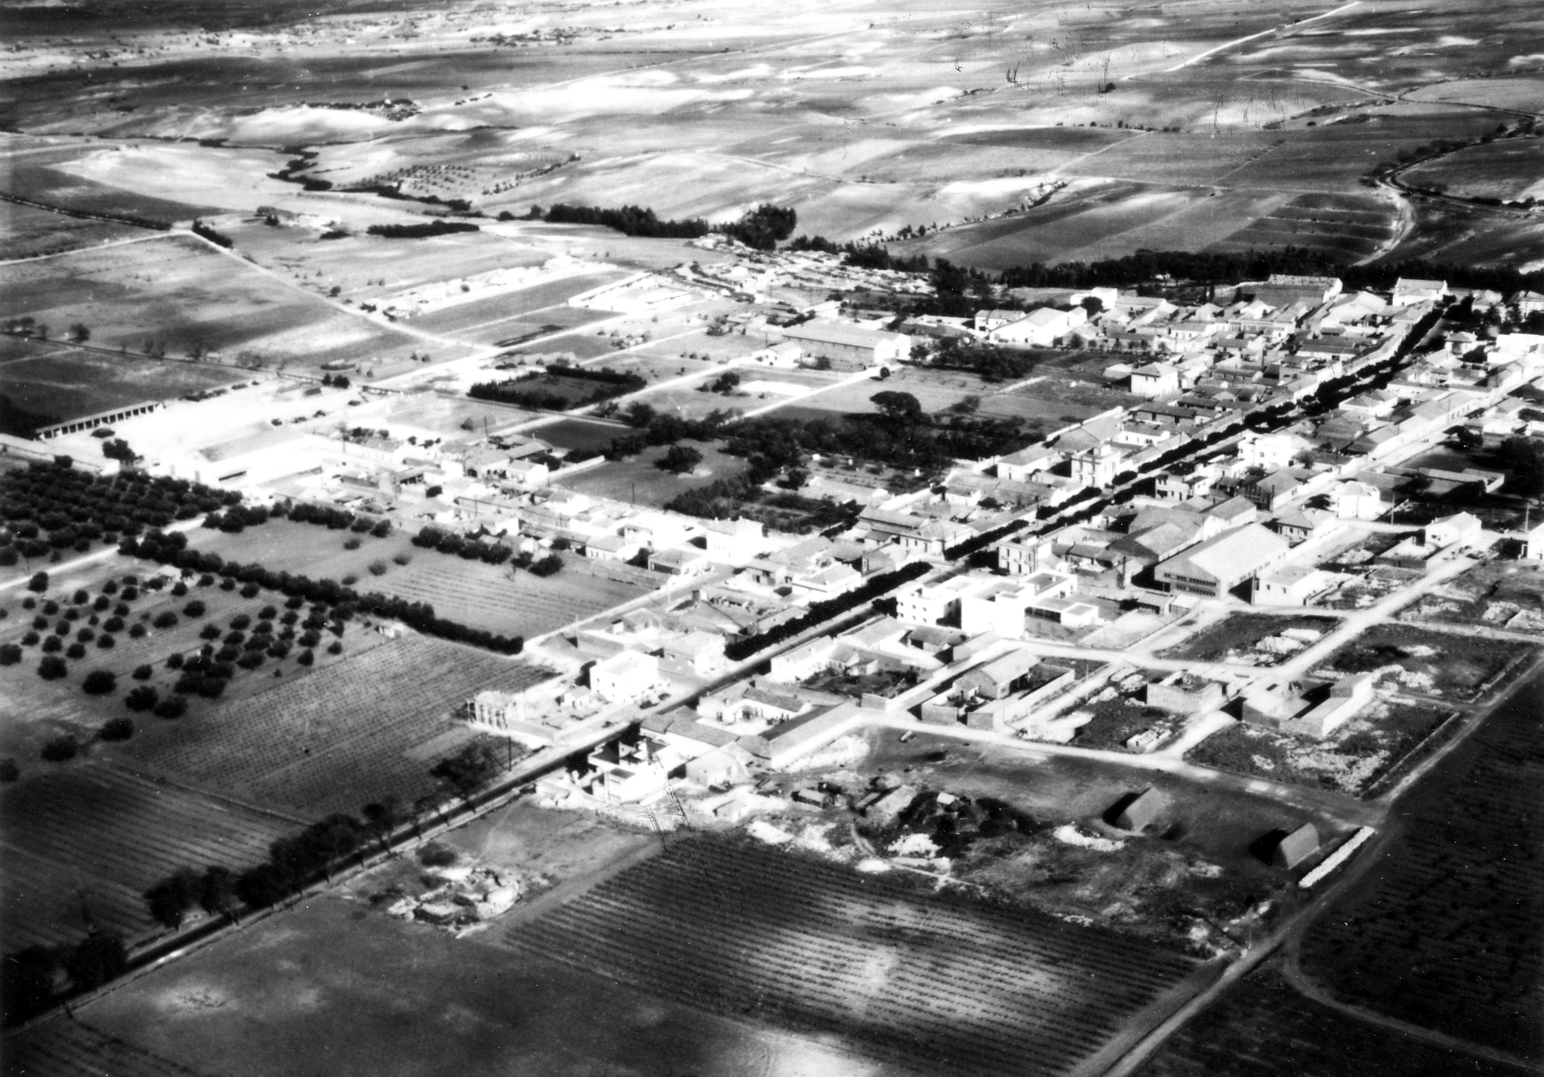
<point>171,707</point>
<point>115,729</point>
<point>61,749</point>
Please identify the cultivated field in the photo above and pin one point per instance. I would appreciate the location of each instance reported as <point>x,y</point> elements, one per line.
<point>733,927</point>
<point>46,383</point>
<point>65,1048</point>
<point>180,292</point>
<point>84,843</point>
<point>370,726</point>
<point>357,989</point>
<point>1445,933</point>
<point>1263,1028</point>
<point>501,598</point>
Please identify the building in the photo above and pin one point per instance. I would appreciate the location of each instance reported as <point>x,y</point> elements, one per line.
<point>1346,699</point>
<point>1356,501</point>
<point>1039,328</point>
<point>999,677</point>
<point>1139,811</point>
<point>849,347</point>
<point>1025,557</point>
<point>1296,847</point>
<point>1410,291</point>
<point>1216,566</point>
<point>1290,585</point>
<point>1019,466</point>
<point>625,676</point>
<point>687,561</point>
<point>1155,380</point>
<point>1461,529</point>
<point>1183,693</point>
<point>1097,466</point>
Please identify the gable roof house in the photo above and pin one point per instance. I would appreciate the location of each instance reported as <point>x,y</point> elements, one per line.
<point>1216,566</point>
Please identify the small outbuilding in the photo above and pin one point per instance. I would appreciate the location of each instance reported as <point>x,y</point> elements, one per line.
<point>1296,847</point>
<point>1137,812</point>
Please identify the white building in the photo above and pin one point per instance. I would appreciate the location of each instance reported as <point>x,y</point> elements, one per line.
<point>624,677</point>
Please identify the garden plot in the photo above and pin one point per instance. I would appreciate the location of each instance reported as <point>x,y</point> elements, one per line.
<point>1501,594</point>
<point>88,840</point>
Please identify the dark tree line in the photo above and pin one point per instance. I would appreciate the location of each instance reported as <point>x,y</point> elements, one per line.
<point>762,228</point>
<point>437,227</point>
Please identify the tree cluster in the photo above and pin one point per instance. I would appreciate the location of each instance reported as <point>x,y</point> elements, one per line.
<point>437,227</point>
<point>629,220</point>
<point>763,227</point>
<point>217,238</point>
<point>49,507</point>
<point>521,392</point>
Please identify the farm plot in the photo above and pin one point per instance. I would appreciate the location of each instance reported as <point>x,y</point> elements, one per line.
<point>71,1048</point>
<point>1444,665</point>
<point>178,293</point>
<point>46,384</point>
<point>1263,1028</point>
<point>1350,226</point>
<point>371,725</point>
<point>502,599</point>
<point>733,927</point>
<point>357,990</point>
<point>28,232</point>
<point>90,839</point>
<point>1239,638</point>
<point>1446,933</point>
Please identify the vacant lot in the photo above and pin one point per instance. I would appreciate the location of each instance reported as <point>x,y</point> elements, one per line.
<point>327,990</point>
<point>1446,665</point>
<point>46,384</point>
<point>1349,761</point>
<point>733,927</point>
<point>1445,933</point>
<point>1502,593</point>
<point>369,726</point>
<point>84,842</point>
<point>1234,639</point>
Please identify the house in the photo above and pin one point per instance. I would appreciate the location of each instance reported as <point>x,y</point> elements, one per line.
<point>732,538</point>
<point>1025,557</point>
<point>1356,501</point>
<point>1039,328</point>
<point>1155,380</point>
<point>1019,466</point>
<point>931,603</point>
<point>701,652</point>
<point>1461,529</point>
<point>1184,693</point>
<point>728,764</point>
<point>1305,524</point>
<point>624,677</point>
<point>1214,567</point>
<point>610,548</point>
<point>786,743</point>
<point>1272,491</point>
<point>1410,291</point>
<point>1348,696</point>
<point>999,677</point>
<point>848,347</point>
<point>688,561</point>
<point>1098,465</point>
<point>1533,543</point>
<point>1290,585</point>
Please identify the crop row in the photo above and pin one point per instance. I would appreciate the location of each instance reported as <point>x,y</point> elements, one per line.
<point>72,1048</point>
<point>735,927</point>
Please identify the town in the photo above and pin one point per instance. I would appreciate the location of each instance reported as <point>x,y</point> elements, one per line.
<point>997,597</point>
